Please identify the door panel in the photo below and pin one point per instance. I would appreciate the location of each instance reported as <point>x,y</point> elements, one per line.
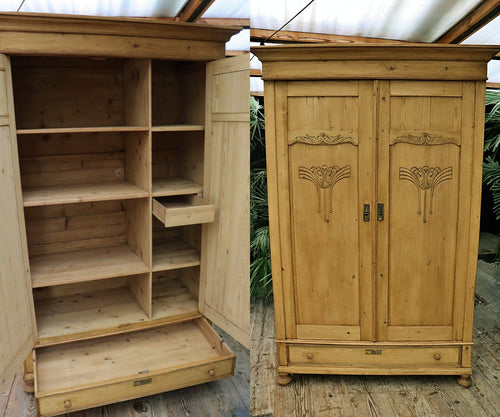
<point>421,148</point>
<point>225,264</point>
<point>17,322</point>
<point>326,138</point>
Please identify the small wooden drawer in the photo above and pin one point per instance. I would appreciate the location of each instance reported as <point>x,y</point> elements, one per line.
<point>183,210</point>
<point>85,374</point>
<point>376,355</point>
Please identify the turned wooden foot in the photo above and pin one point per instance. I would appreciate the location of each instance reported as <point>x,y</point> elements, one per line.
<point>464,381</point>
<point>283,379</point>
<point>29,383</point>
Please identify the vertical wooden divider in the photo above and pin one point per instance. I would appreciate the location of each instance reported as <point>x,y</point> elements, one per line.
<point>137,109</point>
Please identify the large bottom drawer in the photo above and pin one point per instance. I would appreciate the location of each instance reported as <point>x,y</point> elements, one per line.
<point>85,374</point>
<point>376,355</point>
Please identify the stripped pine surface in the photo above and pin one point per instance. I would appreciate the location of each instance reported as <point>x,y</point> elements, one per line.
<point>228,397</point>
<point>384,396</point>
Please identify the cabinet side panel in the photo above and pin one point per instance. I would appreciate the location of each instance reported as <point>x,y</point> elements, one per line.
<point>476,174</point>
<point>272,193</point>
<point>17,323</point>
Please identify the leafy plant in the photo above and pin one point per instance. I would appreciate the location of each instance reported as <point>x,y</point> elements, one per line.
<point>260,258</point>
<point>491,167</point>
<point>492,123</point>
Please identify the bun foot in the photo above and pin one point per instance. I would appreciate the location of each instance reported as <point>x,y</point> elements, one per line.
<point>464,381</point>
<point>29,383</point>
<point>283,379</point>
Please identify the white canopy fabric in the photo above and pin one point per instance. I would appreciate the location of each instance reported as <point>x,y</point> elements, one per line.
<point>410,20</point>
<point>407,20</point>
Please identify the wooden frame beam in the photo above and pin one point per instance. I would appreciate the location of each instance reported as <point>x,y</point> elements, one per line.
<point>286,36</point>
<point>193,10</point>
<point>475,20</point>
<point>225,21</point>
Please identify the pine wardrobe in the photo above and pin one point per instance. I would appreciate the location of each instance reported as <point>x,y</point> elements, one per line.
<point>374,158</point>
<point>124,179</point>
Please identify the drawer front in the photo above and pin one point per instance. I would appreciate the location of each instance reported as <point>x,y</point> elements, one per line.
<point>190,210</point>
<point>376,355</point>
<point>140,386</point>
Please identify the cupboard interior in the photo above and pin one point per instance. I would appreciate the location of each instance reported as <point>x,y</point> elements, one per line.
<point>60,92</point>
<point>177,163</point>
<point>69,243</point>
<point>178,94</point>
<point>59,168</point>
<point>91,159</point>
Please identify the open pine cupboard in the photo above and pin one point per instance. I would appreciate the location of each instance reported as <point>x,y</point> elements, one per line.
<point>124,181</point>
<point>374,159</point>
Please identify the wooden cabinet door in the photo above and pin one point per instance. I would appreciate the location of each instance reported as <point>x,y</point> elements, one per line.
<point>321,174</point>
<point>225,268</point>
<point>17,322</point>
<point>424,181</point>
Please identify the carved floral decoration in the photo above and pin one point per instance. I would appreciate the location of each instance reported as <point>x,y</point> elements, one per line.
<point>426,179</point>
<point>324,178</point>
<point>324,139</point>
<point>426,139</point>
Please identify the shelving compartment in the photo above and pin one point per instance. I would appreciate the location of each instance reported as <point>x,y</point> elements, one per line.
<point>64,168</point>
<point>175,294</point>
<point>178,95</point>
<point>68,93</point>
<point>69,243</point>
<point>88,309</point>
<point>177,163</point>
<point>175,247</point>
<point>121,367</point>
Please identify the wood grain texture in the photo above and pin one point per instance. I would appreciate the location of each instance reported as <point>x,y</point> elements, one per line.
<point>73,266</point>
<point>360,396</point>
<point>18,326</point>
<point>225,254</point>
<point>86,138</point>
<point>197,401</point>
<point>183,211</point>
<point>373,227</point>
<point>65,194</point>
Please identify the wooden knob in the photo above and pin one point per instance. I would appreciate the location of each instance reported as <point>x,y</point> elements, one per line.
<point>211,372</point>
<point>67,404</point>
<point>309,356</point>
<point>437,356</point>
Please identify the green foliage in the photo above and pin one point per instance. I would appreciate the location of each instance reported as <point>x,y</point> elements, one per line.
<point>492,123</point>
<point>260,258</point>
<point>491,167</point>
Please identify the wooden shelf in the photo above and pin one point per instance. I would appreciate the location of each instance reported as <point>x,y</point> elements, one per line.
<point>98,313</point>
<point>84,265</point>
<point>175,186</point>
<point>174,254</point>
<point>80,193</point>
<point>171,299</point>
<point>178,128</point>
<point>99,129</point>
